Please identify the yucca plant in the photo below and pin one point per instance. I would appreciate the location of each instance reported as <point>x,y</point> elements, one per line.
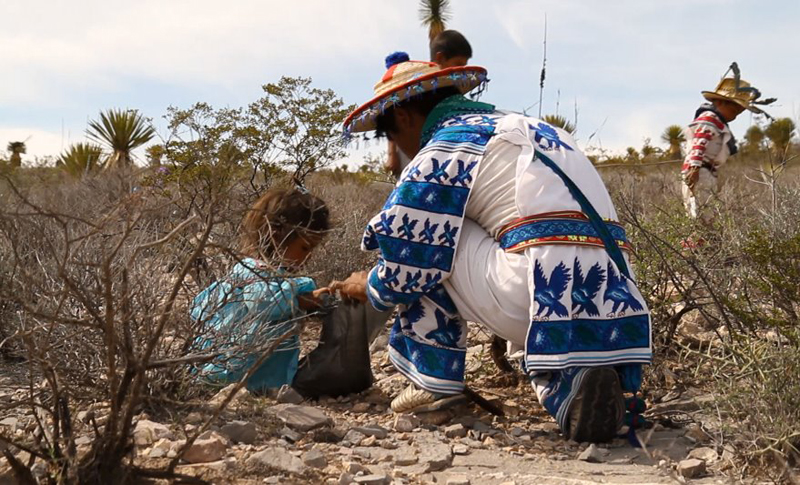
<point>434,14</point>
<point>17,148</point>
<point>81,159</point>
<point>561,122</point>
<point>780,133</point>
<point>122,131</point>
<point>754,139</point>
<point>674,137</point>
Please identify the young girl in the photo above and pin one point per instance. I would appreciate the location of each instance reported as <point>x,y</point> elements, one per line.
<point>258,302</point>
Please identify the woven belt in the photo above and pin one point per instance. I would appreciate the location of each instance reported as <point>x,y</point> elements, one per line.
<point>564,227</point>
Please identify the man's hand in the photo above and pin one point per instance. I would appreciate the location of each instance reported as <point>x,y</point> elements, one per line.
<point>691,177</point>
<point>354,288</point>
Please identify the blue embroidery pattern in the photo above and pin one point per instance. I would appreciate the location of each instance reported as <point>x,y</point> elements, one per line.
<point>548,293</point>
<point>550,228</point>
<point>547,137</point>
<point>448,330</point>
<point>617,291</point>
<point>584,290</point>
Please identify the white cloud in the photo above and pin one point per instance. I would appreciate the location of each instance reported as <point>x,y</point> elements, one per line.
<point>640,65</point>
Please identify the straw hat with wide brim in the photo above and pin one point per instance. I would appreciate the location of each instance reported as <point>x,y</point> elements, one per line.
<point>406,79</point>
<point>742,94</point>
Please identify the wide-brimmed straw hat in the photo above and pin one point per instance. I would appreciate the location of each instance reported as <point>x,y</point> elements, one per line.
<point>405,79</point>
<point>737,90</point>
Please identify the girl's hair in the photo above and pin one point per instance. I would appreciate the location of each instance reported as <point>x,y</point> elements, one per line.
<point>278,217</point>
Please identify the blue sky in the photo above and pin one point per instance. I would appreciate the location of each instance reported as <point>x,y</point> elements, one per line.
<point>632,66</point>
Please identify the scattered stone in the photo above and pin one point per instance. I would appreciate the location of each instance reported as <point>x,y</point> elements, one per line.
<point>691,468</point>
<point>354,468</point>
<point>345,479</point>
<point>405,423</point>
<point>302,418</point>
<point>240,432</point>
<point>219,397</point>
<point>374,479</point>
<point>205,450</point>
<point>457,480</point>
<point>287,394</point>
<point>160,449</point>
<point>434,418</point>
<point>591,454</point>
<point>406,458</point>
<point>373,430</point>
<point>481,427</point>
<point>10,422</point>
<point>388,445</point>
<point>695,433</point>
<point>516,431</point>
<point>148,432</point>
<point>361,407</point>
<point>460,449</point>
<point>279,459</point>
<point>369,441</point>
<point>706,454</point>
<point>315,458</point>
<point>291,435</point>
<point>455,431</point>
<point>550,428</point>
<point>353,437</point>
<point>437,457</point>
<point>83,440</point>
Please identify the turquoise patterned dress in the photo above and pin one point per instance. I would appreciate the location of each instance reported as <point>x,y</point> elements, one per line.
<point>251,307</point>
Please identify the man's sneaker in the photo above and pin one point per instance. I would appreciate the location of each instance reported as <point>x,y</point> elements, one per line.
<point>414,400</point>
<point>598,408</point>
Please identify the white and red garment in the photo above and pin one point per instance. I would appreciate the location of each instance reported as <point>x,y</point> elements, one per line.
<point>708,146</point>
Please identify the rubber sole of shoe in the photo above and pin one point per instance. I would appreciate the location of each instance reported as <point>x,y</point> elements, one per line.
<point>597,409</point>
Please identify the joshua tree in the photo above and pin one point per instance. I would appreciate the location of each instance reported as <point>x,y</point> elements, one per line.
<point>561,122</point>
<point>122,131</point>
<point>80,159</point>
<point>780,133</point>
<point>673,136</point>
<point>17,148</point>
<point>434,14</point>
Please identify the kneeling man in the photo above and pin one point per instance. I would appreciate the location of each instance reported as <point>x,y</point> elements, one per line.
<point>499,219</point>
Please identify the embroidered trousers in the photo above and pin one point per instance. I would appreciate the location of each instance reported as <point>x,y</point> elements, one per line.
<point>493,287</point>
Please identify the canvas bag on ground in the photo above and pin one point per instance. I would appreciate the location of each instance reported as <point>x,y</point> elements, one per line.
<point>341,362</point>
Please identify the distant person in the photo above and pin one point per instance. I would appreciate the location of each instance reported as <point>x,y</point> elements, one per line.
<point>710,142</point>
<point>258,300</point>
<point>448,49</point>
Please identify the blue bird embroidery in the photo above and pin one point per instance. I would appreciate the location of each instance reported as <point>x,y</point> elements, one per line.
<point>448,330</point>
<point>464,174</point>
<point>385,224</point>
<point>548,293</point>
<point>584,290</point>
<point>431,281</point>
<point>412,174</point>
<point>390,277</point>
<point>427,233</point>
<point>412,281</point>
<point>617,291</point>
<point>438,173</point>
<point>547,137</point>
<point>413,313</point>
<point>407,229</point>
<point>448,236</point>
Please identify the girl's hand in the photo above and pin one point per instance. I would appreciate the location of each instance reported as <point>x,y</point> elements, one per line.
<point>354,288</point>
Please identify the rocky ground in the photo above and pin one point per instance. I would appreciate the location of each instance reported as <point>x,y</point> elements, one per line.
<point>357,439</point>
